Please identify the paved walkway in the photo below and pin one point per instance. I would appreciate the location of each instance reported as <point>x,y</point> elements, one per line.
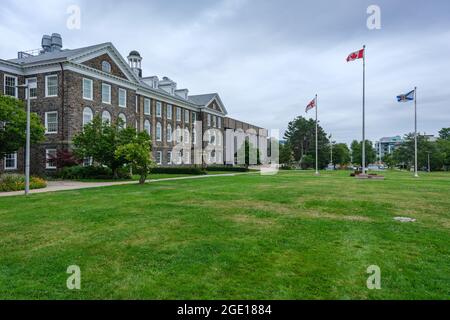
<point>54,186</point>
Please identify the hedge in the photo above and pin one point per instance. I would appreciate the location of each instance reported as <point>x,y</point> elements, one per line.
<point>16,182</point>
<point>227,168</point>
<point>92,172</point>
<point>179,170</point>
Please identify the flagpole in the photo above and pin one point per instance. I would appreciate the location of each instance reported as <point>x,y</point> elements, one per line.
<point>416,174</point>
<point>364,114</point>
<point>317,141</point>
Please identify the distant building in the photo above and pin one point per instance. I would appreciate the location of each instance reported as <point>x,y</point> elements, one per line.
<point>387,145</point>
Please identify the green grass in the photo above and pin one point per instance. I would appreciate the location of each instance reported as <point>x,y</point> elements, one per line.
<point>289,236</point>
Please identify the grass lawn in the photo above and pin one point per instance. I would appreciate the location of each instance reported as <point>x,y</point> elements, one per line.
<point>289,236</point>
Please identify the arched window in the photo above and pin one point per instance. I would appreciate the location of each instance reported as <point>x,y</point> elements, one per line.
<point>158,132</point>
<point>186,137</point>
<point>122,117</point>
<point>106,117</point>
<point>147,127</point>
<point>106,67</point>
<point>178,134</point>
<point>169,133</point>
<point>88,115</point>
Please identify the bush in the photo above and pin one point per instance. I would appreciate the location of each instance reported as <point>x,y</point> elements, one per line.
<point>179,170</point>
<point>92,172</point>
<point>227,168</point>
<point>16,182</point>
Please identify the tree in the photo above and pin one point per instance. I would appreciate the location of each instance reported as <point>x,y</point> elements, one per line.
<point>341,154</point>
<point>286,155</point>
<point>301,136</point>
<point>389,161</point>
<point>356,148</point>
<point>137,153</point>
<point>444,134</point>
<point>13,123</point>
<point>100,141</point>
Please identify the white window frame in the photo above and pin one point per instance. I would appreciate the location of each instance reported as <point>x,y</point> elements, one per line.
<point>26,91</point>
<point>214,120</point>
<point>209,120</point>
<point>169,134</point>
<point>149,129</point>
<point>105,85</point>
<point>169,157</point>
<point>124,120</point>
<point>158,109</point>
<point>15,161</point>
<point>219,122</point>
<point>47,124</point>
<point>91,88</point>
<point>124,91</point>
<point>47,95</point>
<point>92,116</point>
<point>149,111</point>
<point>169,110</point>
<point>158,129</point>
<point>159,153</point>
<point>16,90</point>
<point>104,64</point>
<point>186,116</point>
<point>178,115</point>
<point>109,116</point>
<point>47,152</point>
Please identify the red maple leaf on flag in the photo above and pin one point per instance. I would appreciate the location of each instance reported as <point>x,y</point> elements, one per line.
<point>356,55</point>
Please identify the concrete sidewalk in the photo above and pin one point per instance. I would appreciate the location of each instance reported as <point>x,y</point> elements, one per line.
<point>54,186</point>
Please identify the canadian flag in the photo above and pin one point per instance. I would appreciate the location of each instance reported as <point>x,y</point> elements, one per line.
<point>311,105</point>
<point>356,55</point>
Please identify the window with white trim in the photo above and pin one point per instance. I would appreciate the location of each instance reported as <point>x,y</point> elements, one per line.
<point>106,67</point>
<point>194,136</point>
<point>158,132</point>
<point>32,85</point>
<point>178,114</point>
<point>122,98</point>
<point>209,120</point>
<point>186,116</point>
<point>88,116</point>
<point>169,157</point>
<point>10,86</point>
<point>51,86</point>
<point>169,112</point>
<point>106,117</point>
<point>169,133</point>
<point>51,122</point>
<point>123,123</point>
<point>11,161</point>
<point>219,122</point>
<point>147,127</point>
<point>147,107</point>
<point>88,89</point>
<point>50,157</point>
<point>158,109</point>
<point>88,161</point>
<point>159,157</point>
<point>106,93</point>
<point>178,134</point>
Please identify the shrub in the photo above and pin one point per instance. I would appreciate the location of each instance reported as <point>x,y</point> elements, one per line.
<point>179,170</point>
<point>16,182</point>
<point>227,168</point>
<point>92,172</point>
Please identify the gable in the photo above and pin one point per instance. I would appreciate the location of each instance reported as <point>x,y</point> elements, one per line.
<point>96,63</point>
<point>216,105</point>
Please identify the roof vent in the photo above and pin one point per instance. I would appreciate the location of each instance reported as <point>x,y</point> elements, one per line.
<point>46,43</point>
<point>56,42</point>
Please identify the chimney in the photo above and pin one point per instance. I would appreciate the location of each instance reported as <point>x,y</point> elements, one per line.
<point>46,43</point>
<point>56,42</point>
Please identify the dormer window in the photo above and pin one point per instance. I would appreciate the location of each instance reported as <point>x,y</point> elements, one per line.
<point>106,67</point>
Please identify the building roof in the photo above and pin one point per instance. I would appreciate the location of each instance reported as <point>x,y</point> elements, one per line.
<point>202,99</point>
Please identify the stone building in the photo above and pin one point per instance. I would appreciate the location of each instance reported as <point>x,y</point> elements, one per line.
<point>70,87</point>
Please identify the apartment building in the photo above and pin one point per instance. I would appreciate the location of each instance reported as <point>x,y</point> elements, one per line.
<point>68,88</point>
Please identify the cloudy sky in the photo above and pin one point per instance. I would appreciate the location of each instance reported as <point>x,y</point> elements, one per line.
<point>267,59</point>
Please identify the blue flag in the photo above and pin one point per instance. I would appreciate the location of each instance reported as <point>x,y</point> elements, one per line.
<point>406,97</point>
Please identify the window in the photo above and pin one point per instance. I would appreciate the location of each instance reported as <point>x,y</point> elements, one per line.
<point>32,85</point>
<point>10,84</point>
<point>214,121</point>
<point>122,98</point>
<point>147,127</point>
<point>106,93</point>
<point>123,123</point>
<point>147,110</point>
<point>209,120</point>
<point>87,116</point>
<point>106,117</point>
<point>50,156</point>
<point>194,136</point>
<point>178,134</point>
<point>187,158</point>
<point>88,89</point>
<point>169,157</point>
<point>186,116</point>
<point>169,111</point>
<point>178,114</point>
<point>169,133</point>
<point>158,132</point>
<point>194,117</point>
<point>219,123</point>
<point>87,162</point>
<point>158,109</point>
<point>106,67</point>
<point>51,86</point>
<point>159,157</point>
<point>51,122</point>
<point>11,161</point>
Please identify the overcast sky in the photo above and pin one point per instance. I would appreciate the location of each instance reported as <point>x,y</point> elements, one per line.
<point>267,59</point>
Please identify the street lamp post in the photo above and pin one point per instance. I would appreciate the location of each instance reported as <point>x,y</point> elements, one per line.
<point>27,147</point>
<point>429,163</point>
